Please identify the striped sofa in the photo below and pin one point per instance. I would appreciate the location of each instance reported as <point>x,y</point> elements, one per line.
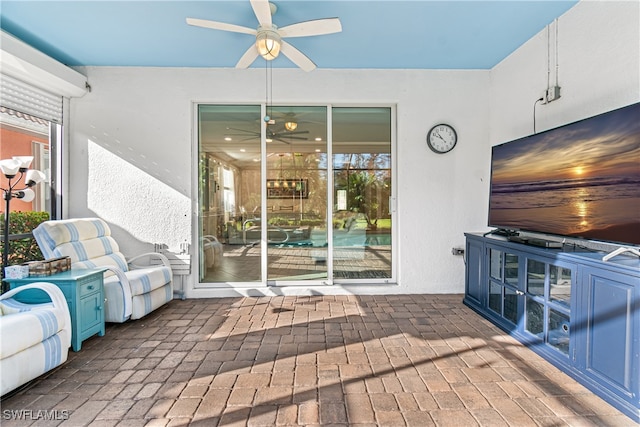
<point>34,338</point>
<point>133,288</point>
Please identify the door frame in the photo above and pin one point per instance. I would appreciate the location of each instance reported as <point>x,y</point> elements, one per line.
<point>330,280</point>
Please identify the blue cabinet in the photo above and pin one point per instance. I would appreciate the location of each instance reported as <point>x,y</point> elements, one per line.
<point>84,292</point>
<point>610,322</point>
<point>567,305</point>
<point>473,285</point>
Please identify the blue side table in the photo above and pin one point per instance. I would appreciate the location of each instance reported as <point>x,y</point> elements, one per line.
<point>84,291</point>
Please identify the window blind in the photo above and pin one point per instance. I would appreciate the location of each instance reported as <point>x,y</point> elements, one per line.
<point>20,96</point>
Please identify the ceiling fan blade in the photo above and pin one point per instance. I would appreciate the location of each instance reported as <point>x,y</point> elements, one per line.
<point>286,133</point>
<point>297,57</point>
<point>263,11</point>
<point>251,138</point>
<point>297,138</point>
<point>220,26</point>
<point>245,130</point>
<point>249,56</point>
<point>316,27</point>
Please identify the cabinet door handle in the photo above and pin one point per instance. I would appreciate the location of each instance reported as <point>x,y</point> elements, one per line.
<point>90,287</point>
<point>99,308</point>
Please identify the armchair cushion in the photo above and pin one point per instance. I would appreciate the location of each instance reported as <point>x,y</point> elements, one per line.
<point>11,306</point>
<point>88,242</point>
<point>34,338</point>
<point>40,325</point>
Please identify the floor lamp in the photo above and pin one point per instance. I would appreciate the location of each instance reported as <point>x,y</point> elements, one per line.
<point>29,178</point>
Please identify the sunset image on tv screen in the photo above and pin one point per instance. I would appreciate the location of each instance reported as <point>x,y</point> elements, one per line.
<point>580,180</point>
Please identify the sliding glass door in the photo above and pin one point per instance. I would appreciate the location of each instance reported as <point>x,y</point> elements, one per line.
<point>229,181</point>
<point>362,187</point>
<point>296,199</point>
<point>294,195</point>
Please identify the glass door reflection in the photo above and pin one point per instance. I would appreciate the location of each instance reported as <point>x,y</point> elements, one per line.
<point>296,189</point>
<point>362,242</point>
<point>229,180</point>
<point>290,208</point>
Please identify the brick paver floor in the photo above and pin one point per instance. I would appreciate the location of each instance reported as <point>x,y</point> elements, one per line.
<point>410,360</point>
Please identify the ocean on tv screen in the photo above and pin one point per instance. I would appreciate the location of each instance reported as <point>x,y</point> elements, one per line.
<point>579,180</point>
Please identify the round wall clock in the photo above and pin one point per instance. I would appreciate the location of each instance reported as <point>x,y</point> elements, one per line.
<point>442,138</point>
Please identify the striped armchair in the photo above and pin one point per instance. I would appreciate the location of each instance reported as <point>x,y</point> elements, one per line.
<point>34,338</point>
<point>133,288</point>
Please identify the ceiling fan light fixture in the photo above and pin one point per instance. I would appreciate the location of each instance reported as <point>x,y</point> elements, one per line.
<point>268,43</point>
<point>290,126</point>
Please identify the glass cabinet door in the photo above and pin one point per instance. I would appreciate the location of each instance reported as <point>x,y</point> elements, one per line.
<point>503,284</point>
<point>510,305</point>
<point>548,303</point>
<point>495,264</point>
<point>560,285</point>
<point>495,297</point>
<point>534,317</point>
<point>558,327</point>
<point>511,262</point>
<point>536,273</point>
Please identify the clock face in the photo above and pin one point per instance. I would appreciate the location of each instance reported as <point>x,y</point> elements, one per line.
<point>442,138</point>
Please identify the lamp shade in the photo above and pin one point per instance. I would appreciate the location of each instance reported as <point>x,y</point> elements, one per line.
<point>290,126</point>
<point>34,177</point>
<point>26,195</point>
<point>9,167</point>
<point>25,161</point>
<point>268,44</point>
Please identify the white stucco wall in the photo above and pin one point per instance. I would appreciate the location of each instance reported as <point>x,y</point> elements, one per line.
<point>131,143</point>
<point>131,148</point>
<point>598,69</point>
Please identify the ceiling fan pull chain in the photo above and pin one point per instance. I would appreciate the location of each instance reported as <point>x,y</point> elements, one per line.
<point>268,107</point>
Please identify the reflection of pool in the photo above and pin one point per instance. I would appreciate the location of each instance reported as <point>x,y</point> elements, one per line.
<point>318,238</point>
<point>378,239</point>
<point>278,235</point>
<point>297,236</point>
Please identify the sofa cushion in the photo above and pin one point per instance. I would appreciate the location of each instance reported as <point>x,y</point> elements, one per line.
<point>19,331</point>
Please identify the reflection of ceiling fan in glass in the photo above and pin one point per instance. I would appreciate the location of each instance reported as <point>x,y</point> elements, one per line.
<point>279,133</point>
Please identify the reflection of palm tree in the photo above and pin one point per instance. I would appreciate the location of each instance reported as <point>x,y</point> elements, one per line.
<point>366,179</point>
<point>360,194</point>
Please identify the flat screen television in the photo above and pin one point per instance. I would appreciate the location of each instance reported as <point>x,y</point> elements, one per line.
<point>581,180</point>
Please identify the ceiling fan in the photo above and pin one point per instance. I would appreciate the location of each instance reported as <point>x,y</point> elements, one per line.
<point>277,135</point>
<point>269,37</point>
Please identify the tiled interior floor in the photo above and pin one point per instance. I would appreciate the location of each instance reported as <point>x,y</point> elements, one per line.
<point>241,263</point>
<point>416,360</point>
